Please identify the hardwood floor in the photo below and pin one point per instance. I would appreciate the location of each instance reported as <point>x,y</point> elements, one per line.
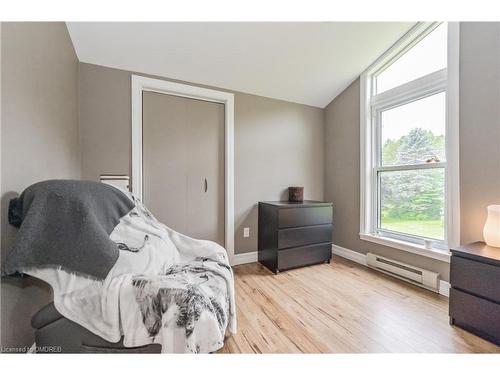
<point>341,307</point>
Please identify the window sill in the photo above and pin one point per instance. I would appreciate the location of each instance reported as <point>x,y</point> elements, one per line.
<point>438,254</point>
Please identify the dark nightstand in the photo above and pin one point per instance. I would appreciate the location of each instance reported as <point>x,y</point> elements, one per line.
<point>475,290</point>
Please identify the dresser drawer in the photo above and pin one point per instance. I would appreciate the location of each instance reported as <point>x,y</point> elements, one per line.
<point>302,216</point>
<point>293,237</point>
<point>478,278</point>
<point>303,256</point>
<point>475,314</point>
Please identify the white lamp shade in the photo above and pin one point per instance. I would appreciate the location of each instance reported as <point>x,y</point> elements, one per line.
<point>491,231</point>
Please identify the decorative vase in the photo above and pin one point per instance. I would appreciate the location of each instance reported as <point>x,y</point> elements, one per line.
<point>295,194</point>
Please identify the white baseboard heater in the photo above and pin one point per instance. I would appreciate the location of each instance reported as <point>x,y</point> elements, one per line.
<point>414,275</point>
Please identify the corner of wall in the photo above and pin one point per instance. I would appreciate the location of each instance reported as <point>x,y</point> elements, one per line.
<point>78,118</point>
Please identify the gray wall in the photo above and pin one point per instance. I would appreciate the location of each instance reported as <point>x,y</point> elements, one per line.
<point>479,125</point>
<point>479,148</point>
<point>277,143</point>
<point>39,141</point>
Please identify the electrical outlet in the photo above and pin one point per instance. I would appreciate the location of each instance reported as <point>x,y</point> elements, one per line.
<point>246,232</point>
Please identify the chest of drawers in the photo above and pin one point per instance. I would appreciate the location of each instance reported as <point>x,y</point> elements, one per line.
<point>294,234</point>
<point>475,290</point>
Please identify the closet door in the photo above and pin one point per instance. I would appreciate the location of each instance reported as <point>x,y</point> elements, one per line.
<point>183,164</point>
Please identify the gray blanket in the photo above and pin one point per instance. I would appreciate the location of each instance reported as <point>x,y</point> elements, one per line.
<point>66,223</point>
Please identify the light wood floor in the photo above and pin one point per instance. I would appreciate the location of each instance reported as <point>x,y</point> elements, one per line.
<point>341,307</point>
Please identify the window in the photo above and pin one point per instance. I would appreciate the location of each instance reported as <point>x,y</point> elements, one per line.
<point>409,131</point>
<point>427,56</point>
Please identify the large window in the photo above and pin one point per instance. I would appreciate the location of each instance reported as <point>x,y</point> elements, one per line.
<point>405,129</point>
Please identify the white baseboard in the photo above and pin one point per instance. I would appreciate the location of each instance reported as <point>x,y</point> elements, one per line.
<point>349,254</point>
<point>244,258</point>
<point>251,257</point>
<point>444,286</point>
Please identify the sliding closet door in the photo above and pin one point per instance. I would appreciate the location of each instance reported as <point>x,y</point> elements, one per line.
<point>183,164</point>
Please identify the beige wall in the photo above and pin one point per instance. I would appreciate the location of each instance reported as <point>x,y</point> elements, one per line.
<point>479,148</point>
<point>39,141</point>
<point>277,143</point>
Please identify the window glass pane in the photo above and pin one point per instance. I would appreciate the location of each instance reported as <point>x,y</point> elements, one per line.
<point>414,133</point>
<point>412,202</point>
<point>426,57</point>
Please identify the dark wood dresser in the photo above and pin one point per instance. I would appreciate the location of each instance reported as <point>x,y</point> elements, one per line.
<point>294,234</point>
<point>475,290</point>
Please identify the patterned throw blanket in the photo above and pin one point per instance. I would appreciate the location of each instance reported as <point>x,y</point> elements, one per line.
<point>165,288</point>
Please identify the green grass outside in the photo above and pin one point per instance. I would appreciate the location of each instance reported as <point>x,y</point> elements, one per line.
<point>425,228</point>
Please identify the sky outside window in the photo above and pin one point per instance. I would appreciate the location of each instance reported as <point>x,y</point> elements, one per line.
<point>428,56</point>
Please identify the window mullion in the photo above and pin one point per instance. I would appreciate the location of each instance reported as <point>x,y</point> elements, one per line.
<point>410,167</point>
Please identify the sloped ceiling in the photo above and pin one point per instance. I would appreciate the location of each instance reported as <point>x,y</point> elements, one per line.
<point>307,63</point>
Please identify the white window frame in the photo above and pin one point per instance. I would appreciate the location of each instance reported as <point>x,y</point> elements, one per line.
<point>446,80</point>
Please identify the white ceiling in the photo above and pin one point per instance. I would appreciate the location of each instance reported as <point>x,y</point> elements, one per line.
<point>308,63</point>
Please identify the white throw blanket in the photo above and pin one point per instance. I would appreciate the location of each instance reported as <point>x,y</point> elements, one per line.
<point>165,288</point>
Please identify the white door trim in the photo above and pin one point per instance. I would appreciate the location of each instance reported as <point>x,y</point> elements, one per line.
<point>140,84</point>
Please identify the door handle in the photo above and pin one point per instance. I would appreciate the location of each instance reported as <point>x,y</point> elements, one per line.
<point>206,185</point>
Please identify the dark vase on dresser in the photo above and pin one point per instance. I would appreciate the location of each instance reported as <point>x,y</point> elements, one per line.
<point>475,290</point>
<point>294,234</point>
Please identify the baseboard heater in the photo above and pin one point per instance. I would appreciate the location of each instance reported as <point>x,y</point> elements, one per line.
<point>414,275</point>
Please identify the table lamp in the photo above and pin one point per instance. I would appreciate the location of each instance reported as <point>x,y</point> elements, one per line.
<point>491,231</point>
